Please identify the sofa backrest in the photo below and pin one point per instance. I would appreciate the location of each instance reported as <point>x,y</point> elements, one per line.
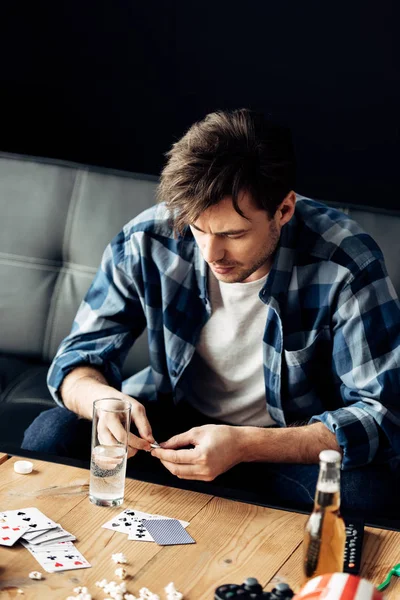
<point>55,221</point>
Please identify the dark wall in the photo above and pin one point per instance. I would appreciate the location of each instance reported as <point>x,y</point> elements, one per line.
<point>115,83</point>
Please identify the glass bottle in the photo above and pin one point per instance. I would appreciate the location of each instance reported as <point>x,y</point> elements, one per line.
<point>325,532</point>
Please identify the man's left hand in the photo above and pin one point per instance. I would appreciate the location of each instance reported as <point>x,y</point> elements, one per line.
<point>215,449</point>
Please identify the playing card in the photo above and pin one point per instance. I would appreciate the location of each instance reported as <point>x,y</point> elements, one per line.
<point>156,517</point>
<point>121,522</point>
<point>139,532</point>
<point>9,534</point>
<point>55,545</point>
<point>58,533</point>
<point>33,534</point>
<point>167,532</point>
<point>32,517</point>
<point>129,521</point>
<point>59,543</point>
<point>60,560</point>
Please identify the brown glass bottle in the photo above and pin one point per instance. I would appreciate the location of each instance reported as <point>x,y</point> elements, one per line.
<point>325,532</point>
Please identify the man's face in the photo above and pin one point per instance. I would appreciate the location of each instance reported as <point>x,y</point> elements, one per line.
<point>238,249</point>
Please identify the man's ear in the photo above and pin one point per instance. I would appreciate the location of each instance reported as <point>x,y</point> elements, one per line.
<point>285,210</point>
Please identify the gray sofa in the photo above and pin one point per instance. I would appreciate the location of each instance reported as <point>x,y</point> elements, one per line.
<point>55,221</point>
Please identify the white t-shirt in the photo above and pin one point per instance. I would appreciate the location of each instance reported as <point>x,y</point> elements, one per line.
<point>226,371</point>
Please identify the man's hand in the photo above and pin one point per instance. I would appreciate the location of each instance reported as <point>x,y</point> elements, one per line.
<point>84,385</point>
<point>217,448</point>
<point>111,431</point>
<point>215,451</point>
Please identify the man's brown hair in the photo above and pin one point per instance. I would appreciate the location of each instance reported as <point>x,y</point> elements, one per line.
<point>222,155</point>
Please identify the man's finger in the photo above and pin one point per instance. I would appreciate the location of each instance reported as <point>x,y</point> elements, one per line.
<point>181,457</point>
<point>136,442</point>
<point>184,471</point>
<point>192,472</point>
<point>106,438</point>
<point>117,429</point>
<point>177,441</point>
<point>141,421</point>
<point>111,432</point>
<point>131,452</point>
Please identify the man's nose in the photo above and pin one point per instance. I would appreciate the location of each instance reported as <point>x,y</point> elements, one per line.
<point>213,249</point>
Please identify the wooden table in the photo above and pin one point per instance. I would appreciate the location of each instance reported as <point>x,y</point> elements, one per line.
<point>234,540</point>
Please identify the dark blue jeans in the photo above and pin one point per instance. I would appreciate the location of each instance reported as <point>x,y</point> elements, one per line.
<point>369,490</point>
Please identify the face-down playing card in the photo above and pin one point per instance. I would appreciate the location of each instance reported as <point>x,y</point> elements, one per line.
<point>167,532</point>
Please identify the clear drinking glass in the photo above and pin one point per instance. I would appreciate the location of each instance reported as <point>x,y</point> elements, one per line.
<point>110,429</point>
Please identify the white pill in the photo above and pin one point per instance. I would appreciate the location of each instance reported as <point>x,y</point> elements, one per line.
<point>23,467</point>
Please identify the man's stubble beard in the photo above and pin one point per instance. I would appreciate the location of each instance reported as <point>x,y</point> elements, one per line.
<point>240,275</point>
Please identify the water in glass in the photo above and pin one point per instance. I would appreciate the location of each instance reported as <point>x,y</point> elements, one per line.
<point>107,475</point>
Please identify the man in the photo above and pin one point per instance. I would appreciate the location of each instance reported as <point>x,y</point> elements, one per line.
<point>274,331</point>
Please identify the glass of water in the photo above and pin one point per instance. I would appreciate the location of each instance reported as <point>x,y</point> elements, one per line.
<point>110,429</point>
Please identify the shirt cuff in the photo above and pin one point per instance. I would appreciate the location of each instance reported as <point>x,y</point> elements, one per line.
<point>356,432</point>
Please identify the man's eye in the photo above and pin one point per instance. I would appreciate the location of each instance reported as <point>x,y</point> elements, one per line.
<point>234,236</point>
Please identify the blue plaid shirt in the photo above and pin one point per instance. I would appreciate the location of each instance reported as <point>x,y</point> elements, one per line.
<point>332,336</point>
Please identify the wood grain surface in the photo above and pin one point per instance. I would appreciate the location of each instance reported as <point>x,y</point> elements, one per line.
<point>234,540</point>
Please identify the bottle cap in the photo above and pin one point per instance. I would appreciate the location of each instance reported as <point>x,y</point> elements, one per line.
<point>23,467</point>
<point>330,456</point>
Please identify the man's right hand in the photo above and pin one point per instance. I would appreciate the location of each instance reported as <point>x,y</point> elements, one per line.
<point>82,386</point>
<point>110,429</point>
